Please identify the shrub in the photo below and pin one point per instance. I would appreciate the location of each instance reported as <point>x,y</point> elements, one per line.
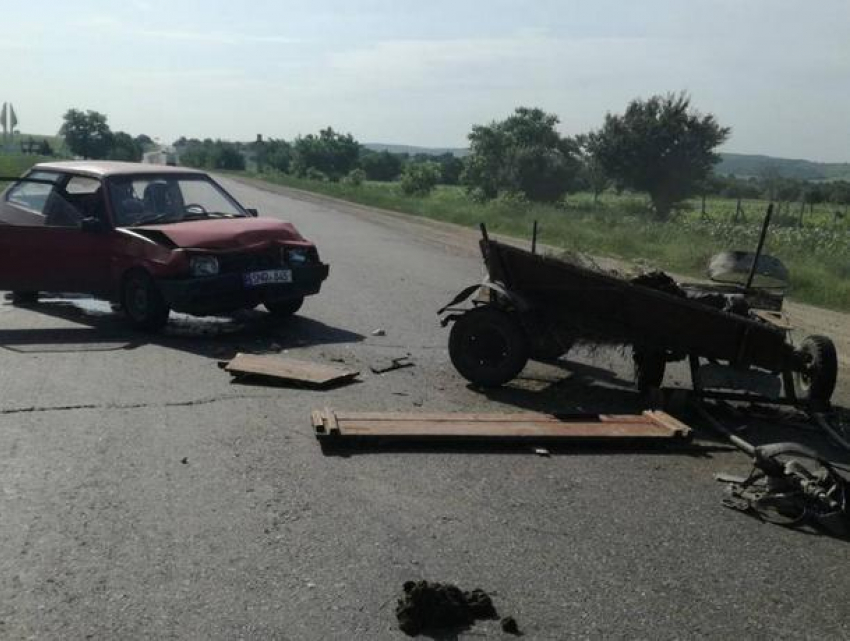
<point>355,177</point>
<point>419,179</point>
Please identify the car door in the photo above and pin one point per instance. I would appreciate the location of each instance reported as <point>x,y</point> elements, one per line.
<point>76,240</point>
<point>23,259</point>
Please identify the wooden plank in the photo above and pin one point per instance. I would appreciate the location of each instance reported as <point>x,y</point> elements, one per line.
<point>514,426</point>
<point>289,370</point>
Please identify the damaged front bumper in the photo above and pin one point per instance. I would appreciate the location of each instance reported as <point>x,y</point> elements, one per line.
<point>228,292</point>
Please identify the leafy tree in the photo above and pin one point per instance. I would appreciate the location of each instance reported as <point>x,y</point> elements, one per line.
<point>592,172</point>
<point>381,165</point>
<point>277,154</point>
<point>225,155</point>
<point>659,146</point>
<point>86,134</point>
<point>145,142</point>
<point>420,178</point>
<point>355,177</point>
<point>125,147</point>
<point>522,154</point>
<point>451,168</point>
<point>331,153</point>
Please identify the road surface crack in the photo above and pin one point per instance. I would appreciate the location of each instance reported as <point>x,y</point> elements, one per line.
<point>129,406</point>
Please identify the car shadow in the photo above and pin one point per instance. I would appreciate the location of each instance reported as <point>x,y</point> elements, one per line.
<point>99,328</point>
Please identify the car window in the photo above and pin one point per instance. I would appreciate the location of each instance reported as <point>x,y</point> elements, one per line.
<point>81,197</point>
<point>32,195</point>
<point>168,198</point>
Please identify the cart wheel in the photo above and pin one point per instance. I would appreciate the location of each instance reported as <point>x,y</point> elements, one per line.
<point>817,382</point>
<point>649,368</point>
<point>488,346</point>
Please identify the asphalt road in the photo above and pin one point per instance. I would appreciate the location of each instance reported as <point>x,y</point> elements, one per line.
<point>106,534</point>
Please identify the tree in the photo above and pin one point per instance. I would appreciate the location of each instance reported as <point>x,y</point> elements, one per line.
<point>420,178</point>
<point>331,153</point>
<point>451,168</point>
<point>592,172</point>
<point>125,147</point>
<point>225,155</point>
<point>381,165</point>
<point>659,146</point>
<point>522,154</point>
<point>145,142</point>
<point>86,134</point>
<point>277,154</point>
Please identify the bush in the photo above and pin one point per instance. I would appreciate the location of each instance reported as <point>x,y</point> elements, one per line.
<point>419,179</point>
<point>311,173</point>
<point>355,177</point>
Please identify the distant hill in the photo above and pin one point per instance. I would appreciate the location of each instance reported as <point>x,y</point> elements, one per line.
<point>746,165</point>
<point>412,150</point>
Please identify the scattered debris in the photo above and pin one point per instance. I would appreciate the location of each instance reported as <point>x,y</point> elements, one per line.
<point>438,606</point>
<point>510,625</point>
<point>522,427</point>
<point>384,366</point>
<point>379,332</point>
<point>541,451</point>
<point>185,460</point>
<point>288,370</point>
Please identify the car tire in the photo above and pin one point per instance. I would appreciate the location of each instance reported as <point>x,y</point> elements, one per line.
<point>24,298</point>
<point>649,369</point>
<point>817,383</point>
<point>284,308</point>
<point>488,346</point>
<point>143,303</point>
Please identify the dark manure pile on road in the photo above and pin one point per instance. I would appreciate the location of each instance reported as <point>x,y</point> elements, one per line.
<point>428,607</point>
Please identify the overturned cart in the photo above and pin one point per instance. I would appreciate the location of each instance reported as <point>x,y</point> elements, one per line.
<point>537,307</point>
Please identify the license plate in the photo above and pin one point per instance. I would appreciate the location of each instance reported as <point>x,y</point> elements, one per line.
<point>267,277</point>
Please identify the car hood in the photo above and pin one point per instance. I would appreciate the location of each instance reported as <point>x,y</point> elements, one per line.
<point>224,233</point>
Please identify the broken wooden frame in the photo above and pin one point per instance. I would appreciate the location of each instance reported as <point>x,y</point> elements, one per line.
<point>334,426</point>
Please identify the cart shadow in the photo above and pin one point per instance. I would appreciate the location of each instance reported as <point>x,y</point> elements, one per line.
<point>98,328</point>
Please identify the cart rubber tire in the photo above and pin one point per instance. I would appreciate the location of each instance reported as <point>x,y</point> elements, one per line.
<point>143,303</point>
<point>649,369</point>
<point>24,298</point>
<point>488,346</point>
<point>818,383</point>
<point>284,308</point>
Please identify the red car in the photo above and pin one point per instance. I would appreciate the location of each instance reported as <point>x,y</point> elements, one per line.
<point>151,239</point>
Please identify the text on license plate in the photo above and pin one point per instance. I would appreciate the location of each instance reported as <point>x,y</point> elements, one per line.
<point>266,277</point>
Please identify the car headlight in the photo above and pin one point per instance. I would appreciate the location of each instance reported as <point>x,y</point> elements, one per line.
<point>203,265</point>
<point>296,256</point>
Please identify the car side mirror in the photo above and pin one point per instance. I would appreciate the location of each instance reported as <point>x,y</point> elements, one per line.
<point>252,211</point>
<point>92,225</point>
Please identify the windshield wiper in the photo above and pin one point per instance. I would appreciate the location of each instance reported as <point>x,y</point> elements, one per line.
<point>153,220</point>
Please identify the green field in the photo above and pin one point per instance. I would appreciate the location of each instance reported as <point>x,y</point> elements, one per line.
<point>818,254</point>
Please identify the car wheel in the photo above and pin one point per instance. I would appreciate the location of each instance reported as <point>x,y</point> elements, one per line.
<point>143,302</point>
<point>817,382</point>
<point>284,308</point>
<point>24,298</point>
<point>649,369</point>
<point>488,346</point>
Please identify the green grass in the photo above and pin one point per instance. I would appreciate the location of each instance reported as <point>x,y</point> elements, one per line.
<point>817,255</point>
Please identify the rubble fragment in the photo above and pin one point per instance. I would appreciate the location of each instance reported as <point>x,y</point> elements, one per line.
<point>438,606</point>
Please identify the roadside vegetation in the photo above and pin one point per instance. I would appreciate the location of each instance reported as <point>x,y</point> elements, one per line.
<point>639,188</point>
<point>818,254</point>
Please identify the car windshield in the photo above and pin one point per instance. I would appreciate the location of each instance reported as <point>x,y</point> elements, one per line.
<point>168,198</point>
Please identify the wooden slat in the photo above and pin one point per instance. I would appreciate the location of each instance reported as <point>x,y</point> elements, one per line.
<point>288,369</point>
<point>430,425</point>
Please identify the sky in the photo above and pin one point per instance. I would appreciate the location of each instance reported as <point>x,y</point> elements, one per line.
<point>422,72</point>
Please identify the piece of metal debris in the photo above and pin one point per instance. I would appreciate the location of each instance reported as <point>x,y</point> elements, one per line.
<point>541,451</point>
<point>288,370</point>
<point>379,332</point>
<point>381,367</point>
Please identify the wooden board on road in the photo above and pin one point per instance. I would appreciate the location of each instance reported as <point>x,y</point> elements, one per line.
<point>527,426</point>
<point>289,370</point>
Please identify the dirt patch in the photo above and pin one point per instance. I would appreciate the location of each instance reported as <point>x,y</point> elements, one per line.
<point>429,607</point>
